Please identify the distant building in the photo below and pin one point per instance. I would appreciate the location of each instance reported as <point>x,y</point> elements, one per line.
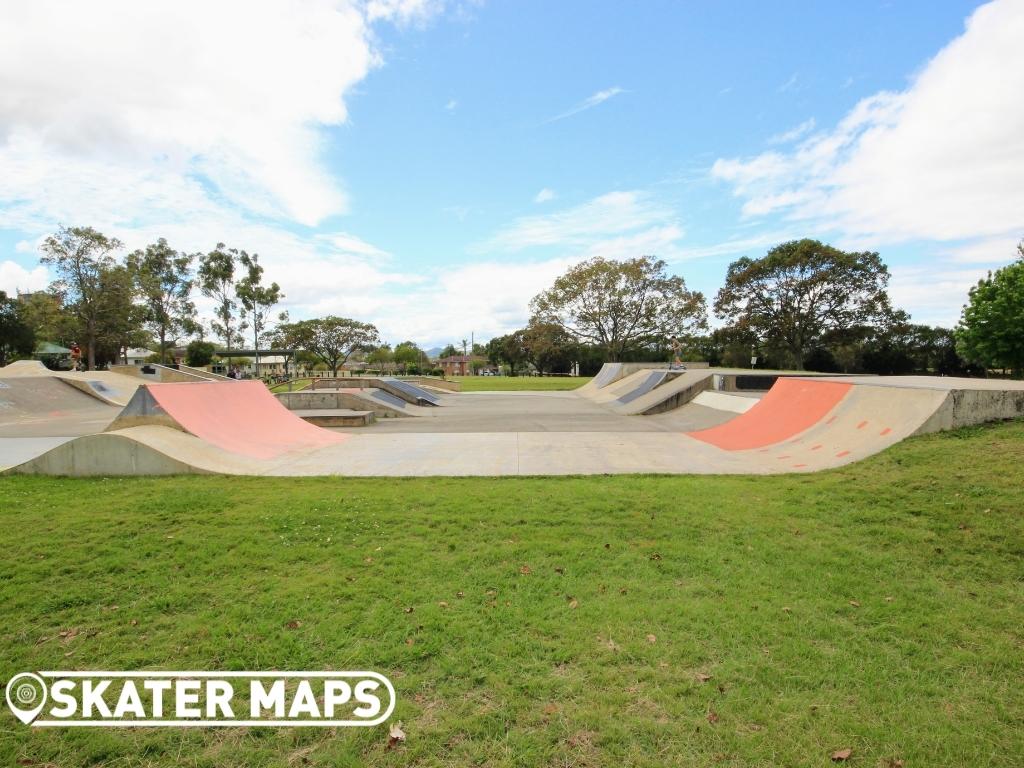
<point>137,356</point>
<point>461,365</point>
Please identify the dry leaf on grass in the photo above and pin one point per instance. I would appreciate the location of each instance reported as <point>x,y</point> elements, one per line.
<point>525,570</point>
<point>841,755</point>
<point>712,717</point>
<point>652,639</point>
<point>294,624</point>
<point>395,735</point>
<point>702,678</point>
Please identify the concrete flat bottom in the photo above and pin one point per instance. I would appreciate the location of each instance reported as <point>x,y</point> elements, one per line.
<point>511,412</point>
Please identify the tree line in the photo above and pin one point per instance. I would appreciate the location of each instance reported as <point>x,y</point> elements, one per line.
<point>804,305</point>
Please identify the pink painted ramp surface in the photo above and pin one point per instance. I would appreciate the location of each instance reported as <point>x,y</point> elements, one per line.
<point>242,417</point>
<point>790,407</point>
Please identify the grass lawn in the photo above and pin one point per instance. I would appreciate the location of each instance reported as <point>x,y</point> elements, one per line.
<point>642,621</point>
<point>520,383</point>
<point>295,385</point>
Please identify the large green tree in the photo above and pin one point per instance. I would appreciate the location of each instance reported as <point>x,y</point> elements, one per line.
<point>408,355</point>
<point>380,357</point>
<point>216,277</point>
<point>802,290</point>
<point>332,339</point>
<point>164,280</point>
<point>16,335</point>
<point>549,347</point>
<point>621,304</point>
<point>257,299</point>
<point>991,330</point>
<point>84,262</point>
<point>509,349</point>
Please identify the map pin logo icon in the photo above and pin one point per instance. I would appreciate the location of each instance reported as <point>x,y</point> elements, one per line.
<point>26,696</point>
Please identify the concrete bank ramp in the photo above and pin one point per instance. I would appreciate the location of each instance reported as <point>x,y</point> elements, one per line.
<point>47,406</point>
<point>242,418</point>
<point>106,386</point>
<point>623,386</point>
<point>673,392</point>
<point>410,392</point>
<point>399,388</point>
<point>609,373</point>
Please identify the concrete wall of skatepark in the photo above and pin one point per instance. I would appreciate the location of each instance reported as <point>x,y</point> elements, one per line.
<point>164,374</point>
<point>335,399</point>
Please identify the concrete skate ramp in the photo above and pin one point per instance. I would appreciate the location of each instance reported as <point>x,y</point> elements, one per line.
<point>400,388</point>
<point>609,373</point>
<point>106,386</point>
<point>24,368</point>
<point>418,393</point>
<point>790,407</point>
<point>144,450</point>
<point>242,418</point>
<point>651,380</point>
<point>47,406</point>
<point>680,390</point>
<point>612,392</point>
<point>828,424</point>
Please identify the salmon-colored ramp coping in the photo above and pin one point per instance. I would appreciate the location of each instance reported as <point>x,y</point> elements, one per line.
<point>790,407</point>
<point>241,417</point>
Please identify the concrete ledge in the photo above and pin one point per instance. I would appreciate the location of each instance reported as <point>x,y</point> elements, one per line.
<point>336,417</point>
<point>332,399</point>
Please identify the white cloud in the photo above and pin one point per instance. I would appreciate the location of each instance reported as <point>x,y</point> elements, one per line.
<point>545,195</point>
<point>15,278</point>
<point>451,105</point>
<point>938,161</point>
<point>936,294</point>
<point>588,103</point>
<point>223,102</point>
<point>402,11</point>
<point>793,134</point>
<point>609,216</point>
<point>993,251</point>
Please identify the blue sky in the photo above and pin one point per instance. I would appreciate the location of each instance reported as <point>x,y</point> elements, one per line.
<point>430,166</point>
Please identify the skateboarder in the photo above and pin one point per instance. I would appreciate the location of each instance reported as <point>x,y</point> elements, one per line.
<point>677,363</point>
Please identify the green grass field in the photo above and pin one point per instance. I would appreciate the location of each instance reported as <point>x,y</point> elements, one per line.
<point>520,383</point>
<point>295,385</point>
<point>641,621</point>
